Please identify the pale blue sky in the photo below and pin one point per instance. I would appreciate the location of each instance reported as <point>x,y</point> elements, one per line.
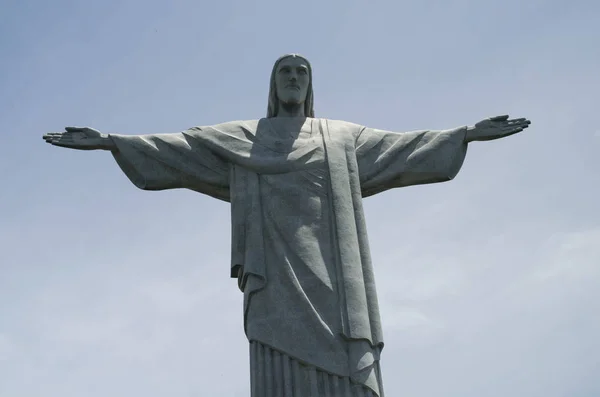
<point>488,284</point>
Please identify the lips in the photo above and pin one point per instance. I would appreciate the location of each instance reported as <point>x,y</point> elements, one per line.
<point>293,86</point>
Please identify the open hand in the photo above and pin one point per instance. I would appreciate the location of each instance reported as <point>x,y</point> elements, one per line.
<point>495,128</point>
<point>82,138</point>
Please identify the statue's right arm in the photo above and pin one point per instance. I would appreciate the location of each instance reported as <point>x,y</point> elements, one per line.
<point>81,138</point>
<point>156,161</point>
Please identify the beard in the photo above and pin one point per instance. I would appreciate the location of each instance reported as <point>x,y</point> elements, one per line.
<point>291,106</point>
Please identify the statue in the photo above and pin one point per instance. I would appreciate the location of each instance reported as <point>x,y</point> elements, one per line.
<point>299,243</point>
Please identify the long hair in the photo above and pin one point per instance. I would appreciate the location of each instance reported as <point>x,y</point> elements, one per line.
<point>273,107</point>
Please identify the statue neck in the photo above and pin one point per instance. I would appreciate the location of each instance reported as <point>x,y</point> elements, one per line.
<point>287,110</point>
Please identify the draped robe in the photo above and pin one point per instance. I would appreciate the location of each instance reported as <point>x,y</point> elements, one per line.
<point>299,241</point>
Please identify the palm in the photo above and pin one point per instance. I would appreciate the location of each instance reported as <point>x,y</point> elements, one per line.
<point>83,138</point>
<point>496,127</point>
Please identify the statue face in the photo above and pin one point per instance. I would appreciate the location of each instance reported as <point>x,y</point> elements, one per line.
<point>292,80</point>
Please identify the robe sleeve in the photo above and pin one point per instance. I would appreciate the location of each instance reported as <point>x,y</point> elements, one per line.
<point>171,161</point>
<point>388,160</point>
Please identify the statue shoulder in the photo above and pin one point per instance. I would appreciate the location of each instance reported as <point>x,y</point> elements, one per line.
<point>344,126</point>
<point>229,127</point>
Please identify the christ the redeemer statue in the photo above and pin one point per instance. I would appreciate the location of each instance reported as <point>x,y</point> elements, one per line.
<point>299,243</point>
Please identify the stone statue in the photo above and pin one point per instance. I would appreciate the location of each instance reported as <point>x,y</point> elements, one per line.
<point>299,243</point>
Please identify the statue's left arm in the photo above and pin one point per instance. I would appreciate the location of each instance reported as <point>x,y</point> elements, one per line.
<point>389,159</point>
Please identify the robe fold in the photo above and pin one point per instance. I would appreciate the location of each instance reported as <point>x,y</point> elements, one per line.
<point>299,241</point>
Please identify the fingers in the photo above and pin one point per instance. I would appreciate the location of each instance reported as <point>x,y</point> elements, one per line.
<point>73,137</point>
<point>522,121</point>
<point>49,138</point>
<point>510,127</point>
<point>62,144</point>
<point>513,127</point>
<point>52,135</point>
<point>69,133</point>
<point>58,138</point>
<point>512,131</point>
<point>500,118</point>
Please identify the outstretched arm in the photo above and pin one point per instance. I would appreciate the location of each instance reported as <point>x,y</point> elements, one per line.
<point>388,160</point>
<point>156,161</point>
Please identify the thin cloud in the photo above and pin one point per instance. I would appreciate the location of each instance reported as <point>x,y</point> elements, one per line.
<point>6,347</point>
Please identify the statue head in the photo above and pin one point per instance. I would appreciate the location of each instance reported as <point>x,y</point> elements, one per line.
<point>291,85</point>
